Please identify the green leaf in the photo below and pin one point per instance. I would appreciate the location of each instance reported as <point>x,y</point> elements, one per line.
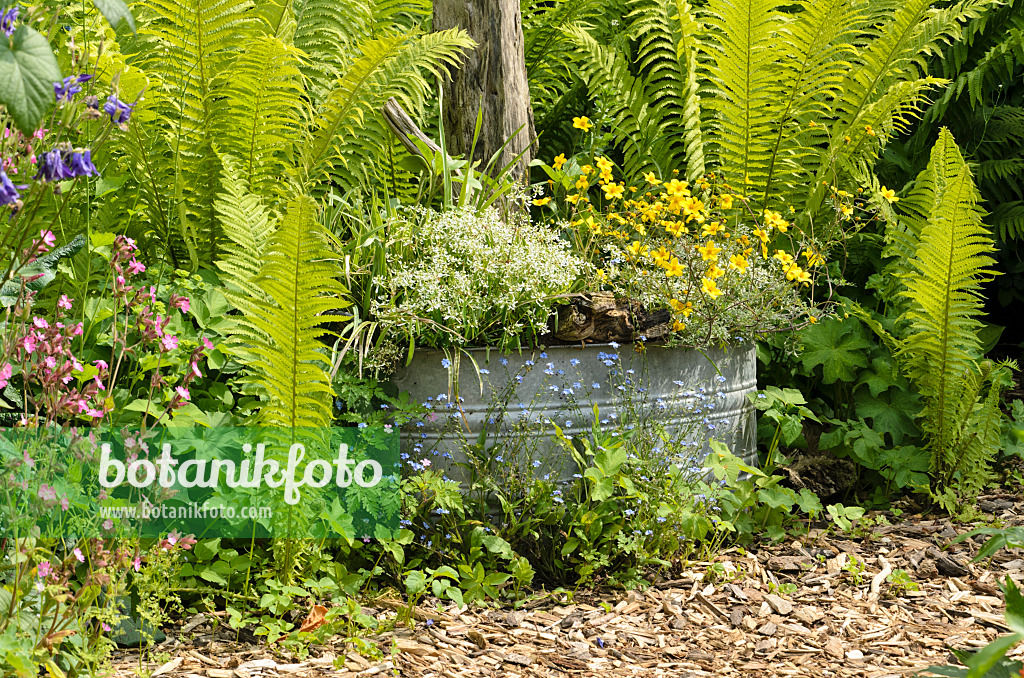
<point>836,346</point>
<point>28,71</point>
<point>892,412</point>
<point>115,11</point>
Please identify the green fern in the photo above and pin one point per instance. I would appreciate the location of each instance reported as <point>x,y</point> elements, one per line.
<point>281,322</point>
<point>939,349</point>
<point>257,114</point>
<point>248,226</point>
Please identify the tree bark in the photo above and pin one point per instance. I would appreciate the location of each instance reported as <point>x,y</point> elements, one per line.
<point>494,76</point>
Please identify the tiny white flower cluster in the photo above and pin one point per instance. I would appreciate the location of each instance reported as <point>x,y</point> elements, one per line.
<point>473,278</point>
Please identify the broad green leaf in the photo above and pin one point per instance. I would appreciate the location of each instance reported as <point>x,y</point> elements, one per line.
<point>893,412</point>
<point>115,11</point>
<point>837,346</point>
<point>28,71</point>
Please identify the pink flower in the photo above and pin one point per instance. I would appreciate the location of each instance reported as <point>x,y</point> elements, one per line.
<point>135,266</point>
<point>137,563</point>
<point>101,364</point>
<point>94,413</point>
<point>28,342</point>
<point>195,370</point>
<point>76,330</point>
<point>40,323</point>
<point>120,281</point>
<point>45,568</point>
<point>78,554</point>
<point>207,344</point>
<point>108,524</point>
<point>47,493</point>
<point>64,302</point>
<point>5,375</point>
<point>48,238</point>
<point>425,463</point>
<point>182,303</point>
<point>65,504</point>
<point>106,627</point>
<point>170,342</point>
<point>27,459</point>
<point>40,133</point>
<point>183,392</point>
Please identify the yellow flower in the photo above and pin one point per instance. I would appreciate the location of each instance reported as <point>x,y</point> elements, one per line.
<point>604,164</point>
<point>710,288</point>
<point>582,184</point>
<point>813,258</point>
<point>637,249</point>
<point>775,220</point>
<point>812,319</point>
<point>606,176</point>
<point>867,128</point>
<point>889,195</point>
<point>763,235</point>
<point>539,202</point>
<point>738,262</point>
<point>601,274</point>
<point>679,307</point>
<point>583,123</point>
<point>573,199</point>
<point>558,161</point>
<point>709,251</point>
<point>711,228</point>
<point>660,256</point>
<point>847,211</point>
<point>677,188</point>
<point>785,257</point>
<point>586,170</point>
<point>678,326</point>
<point>613,191</point>
<point>744,240</point>
<point>651,179</point>
<point>714,271</point>
<point>676,229</point>
<point>726,201</point>
<point>846,139</point>
<point>673,267</point>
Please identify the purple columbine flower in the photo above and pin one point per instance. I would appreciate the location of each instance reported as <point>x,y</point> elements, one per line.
<point>81,164</point>
<point>52,167</point>
<point>119,111</point>
<point>65,163</point>
<point>7,20</point>
<point>9,194</point>
<point>70,86</point>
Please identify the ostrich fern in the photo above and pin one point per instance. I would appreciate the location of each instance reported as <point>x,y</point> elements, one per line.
<point>941,228</point>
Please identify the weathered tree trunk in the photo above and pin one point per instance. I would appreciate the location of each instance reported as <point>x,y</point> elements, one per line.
<point>600,317</point>
<point>493,75</point>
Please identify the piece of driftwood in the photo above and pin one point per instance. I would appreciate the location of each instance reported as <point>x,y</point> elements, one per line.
<point>405,129</point>
<point>600,317</point>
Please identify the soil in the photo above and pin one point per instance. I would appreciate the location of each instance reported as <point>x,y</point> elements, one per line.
<point>821,606</point>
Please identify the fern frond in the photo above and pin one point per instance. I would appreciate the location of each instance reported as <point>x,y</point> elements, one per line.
<point>741,88</point>
<point>944,290</point>
<point>247,226</point>
<point>257,113</point>
<point>395,65</point>
<point>283,328</point>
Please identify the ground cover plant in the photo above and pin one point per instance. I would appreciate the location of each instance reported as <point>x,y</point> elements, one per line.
<point>210,220</point>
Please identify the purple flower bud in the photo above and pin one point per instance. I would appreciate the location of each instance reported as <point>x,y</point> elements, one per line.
<point>9,194</point>
<point>119,111</point>
<point>52,167</point>
<point>7,20</point>
<point>66,89</point>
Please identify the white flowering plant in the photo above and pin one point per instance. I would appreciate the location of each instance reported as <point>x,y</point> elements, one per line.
<point>464,277</point>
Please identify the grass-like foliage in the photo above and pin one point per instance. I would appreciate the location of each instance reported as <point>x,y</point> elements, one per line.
<point>937,344</point>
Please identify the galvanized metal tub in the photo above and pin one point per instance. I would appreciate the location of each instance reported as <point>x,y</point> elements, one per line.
<point>696,395</point>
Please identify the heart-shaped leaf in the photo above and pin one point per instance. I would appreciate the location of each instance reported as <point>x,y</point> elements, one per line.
<point>28,70</point>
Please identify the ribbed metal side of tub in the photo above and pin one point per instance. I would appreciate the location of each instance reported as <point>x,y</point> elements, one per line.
<point>696,395</point>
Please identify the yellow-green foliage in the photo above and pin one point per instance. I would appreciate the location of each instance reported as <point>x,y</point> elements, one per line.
<point>943,257</point>
<point>282,321</point>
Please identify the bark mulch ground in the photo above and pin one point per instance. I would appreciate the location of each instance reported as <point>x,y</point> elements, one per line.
<point>818,607</point>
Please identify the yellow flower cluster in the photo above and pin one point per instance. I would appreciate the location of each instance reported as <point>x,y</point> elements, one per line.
<point>693,237</point>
